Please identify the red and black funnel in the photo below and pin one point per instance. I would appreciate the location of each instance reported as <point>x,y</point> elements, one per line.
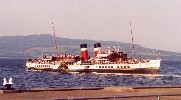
<point>97,49</point>
<point>84,52</point>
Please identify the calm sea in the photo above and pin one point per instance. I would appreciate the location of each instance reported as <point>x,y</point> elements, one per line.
<point>170,74</point>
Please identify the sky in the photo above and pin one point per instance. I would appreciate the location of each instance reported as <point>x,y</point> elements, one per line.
<point>156,24</point>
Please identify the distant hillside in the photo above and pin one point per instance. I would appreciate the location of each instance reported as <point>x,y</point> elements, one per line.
<point>36,45</point>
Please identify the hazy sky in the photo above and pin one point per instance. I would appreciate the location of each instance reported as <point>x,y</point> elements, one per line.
<point>156,23</point>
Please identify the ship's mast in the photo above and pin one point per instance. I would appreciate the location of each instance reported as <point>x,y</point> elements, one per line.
<point>55,41</point>
<point>133,46</point>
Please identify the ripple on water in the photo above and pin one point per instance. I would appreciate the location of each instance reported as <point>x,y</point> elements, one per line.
<point>170,74</point>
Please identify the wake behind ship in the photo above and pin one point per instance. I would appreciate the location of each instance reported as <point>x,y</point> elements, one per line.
<point>102,62</point>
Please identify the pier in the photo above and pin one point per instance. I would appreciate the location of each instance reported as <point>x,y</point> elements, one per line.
<point>94,93</point>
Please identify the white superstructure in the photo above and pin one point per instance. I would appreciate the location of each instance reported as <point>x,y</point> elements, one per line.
<point>102,62</point>
<point>43,64</point>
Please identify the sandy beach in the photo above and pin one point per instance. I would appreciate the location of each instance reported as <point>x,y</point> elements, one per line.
<point>109,93</point>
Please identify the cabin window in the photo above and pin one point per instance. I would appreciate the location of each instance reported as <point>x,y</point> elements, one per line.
<point>128,66</point>
<point>117,66</point>
<point>102,66</point>
<point>124,66</point>
<point>108,66</point>
<point>111,66</point>
<point>105,66</point>
<point>99,66</point>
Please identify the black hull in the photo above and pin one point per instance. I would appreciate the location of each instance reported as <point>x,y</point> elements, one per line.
<point>130,71</point>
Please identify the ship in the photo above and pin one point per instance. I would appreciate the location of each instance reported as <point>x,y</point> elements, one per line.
<point>110,61</point>
<point>113,62</point>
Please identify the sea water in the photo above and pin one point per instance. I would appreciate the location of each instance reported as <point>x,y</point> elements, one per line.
<point>169,74</point>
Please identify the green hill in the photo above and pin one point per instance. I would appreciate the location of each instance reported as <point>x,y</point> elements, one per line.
<point>36,45</point>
